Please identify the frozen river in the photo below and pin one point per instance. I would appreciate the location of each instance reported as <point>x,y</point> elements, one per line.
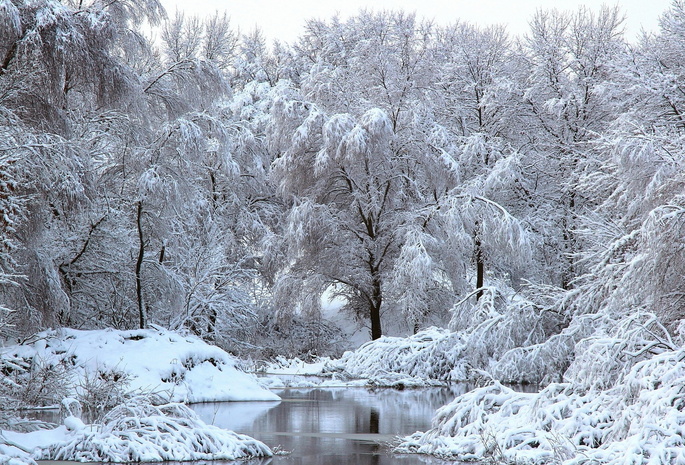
<point>333,425</point>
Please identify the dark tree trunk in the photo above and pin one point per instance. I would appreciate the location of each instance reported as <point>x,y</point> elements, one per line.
<point>139,266</point>
<point>375,309</point>
<point>480,264</point>
<point>569,225</point>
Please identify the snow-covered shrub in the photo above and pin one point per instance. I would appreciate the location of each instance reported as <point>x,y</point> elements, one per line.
<point>538,364</point>
<point>519,427</point>
<point>301,336</point>
<point>615,347</point>
<point>545,361</point>
<point>102,390</point>
<point>139,431</point>
<point>34,381</point>
<point>505,325</point>
<point>432,354</point>
<point>624,406</point>
<point>294,366</point>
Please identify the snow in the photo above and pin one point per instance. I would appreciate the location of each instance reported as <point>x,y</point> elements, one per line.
<point>431,357</point>
<point>31,441</point>
<point>178,368</point>
<point>74,424</point>
<point>168,368</point>
<point>639,420</point>
<point>136,431</point>
<point>295,366</point>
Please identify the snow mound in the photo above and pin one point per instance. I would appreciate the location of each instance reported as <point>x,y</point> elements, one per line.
<point>429,357</point>
<point>139,431</point>
<point>178,368</point>
<point>640,420</point>
<point>11,460</point>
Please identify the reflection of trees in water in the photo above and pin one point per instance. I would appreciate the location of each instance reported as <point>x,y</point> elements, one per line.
<point>338,410</point>
<point>409,409</point>
<point>374,419</point>
<point>325,416</point>
<point>356,410</point>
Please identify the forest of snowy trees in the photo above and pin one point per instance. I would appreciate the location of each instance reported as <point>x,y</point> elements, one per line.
<point>526,189</point>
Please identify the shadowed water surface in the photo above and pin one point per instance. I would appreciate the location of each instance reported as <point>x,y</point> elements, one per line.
<point>334,426</point>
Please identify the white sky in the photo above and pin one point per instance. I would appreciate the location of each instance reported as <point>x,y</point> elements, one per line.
<point>284,20</point>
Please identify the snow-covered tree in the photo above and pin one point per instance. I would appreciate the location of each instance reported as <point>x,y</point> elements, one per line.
<point>634,232</point>
<point>417,177</point>
<point>60,69</point>
<point>129,175</point>
<point>564,73</point>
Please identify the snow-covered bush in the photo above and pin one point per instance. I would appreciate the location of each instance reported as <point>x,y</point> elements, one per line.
<point>300,336</point>
<point>139,431</point>
<point>102,390</point>
<point>433,354</point>
<point>461,429</point>
<point>624,406</point>
<point>548,360</point>
<point>603,358</point>
<point>294,366</point>
<point>35,381</point>
<point>502,331</point>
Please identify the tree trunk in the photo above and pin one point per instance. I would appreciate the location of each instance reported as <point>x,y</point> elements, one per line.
<point>375,309</point>
<point>142,314</point>
<point>569,235</point>
<point>480,264</point>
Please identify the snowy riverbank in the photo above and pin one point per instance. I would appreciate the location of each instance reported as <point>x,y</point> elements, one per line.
<point>177,368</point>
<point>431,357</point>
<point>626,409</point>
<point>141,376</point>
<point>640,420</point>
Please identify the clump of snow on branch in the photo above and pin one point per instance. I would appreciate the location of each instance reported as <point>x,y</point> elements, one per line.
<point>139,431</point>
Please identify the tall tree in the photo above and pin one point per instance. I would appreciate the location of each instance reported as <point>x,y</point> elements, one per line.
<point>371,159</point>
<point>563,73</point>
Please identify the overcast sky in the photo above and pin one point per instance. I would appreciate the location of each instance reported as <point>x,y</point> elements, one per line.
<point>284,19</point>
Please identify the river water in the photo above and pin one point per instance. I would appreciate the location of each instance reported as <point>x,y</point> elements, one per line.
<point>333,425</point>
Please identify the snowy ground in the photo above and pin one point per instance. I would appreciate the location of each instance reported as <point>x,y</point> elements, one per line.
<point>151,365</point>
<point>178,368</point>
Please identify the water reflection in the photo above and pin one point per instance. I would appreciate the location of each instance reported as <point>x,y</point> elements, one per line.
<point>342,425</point>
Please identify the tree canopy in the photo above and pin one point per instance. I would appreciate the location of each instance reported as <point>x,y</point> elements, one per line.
<point>213,182</point>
